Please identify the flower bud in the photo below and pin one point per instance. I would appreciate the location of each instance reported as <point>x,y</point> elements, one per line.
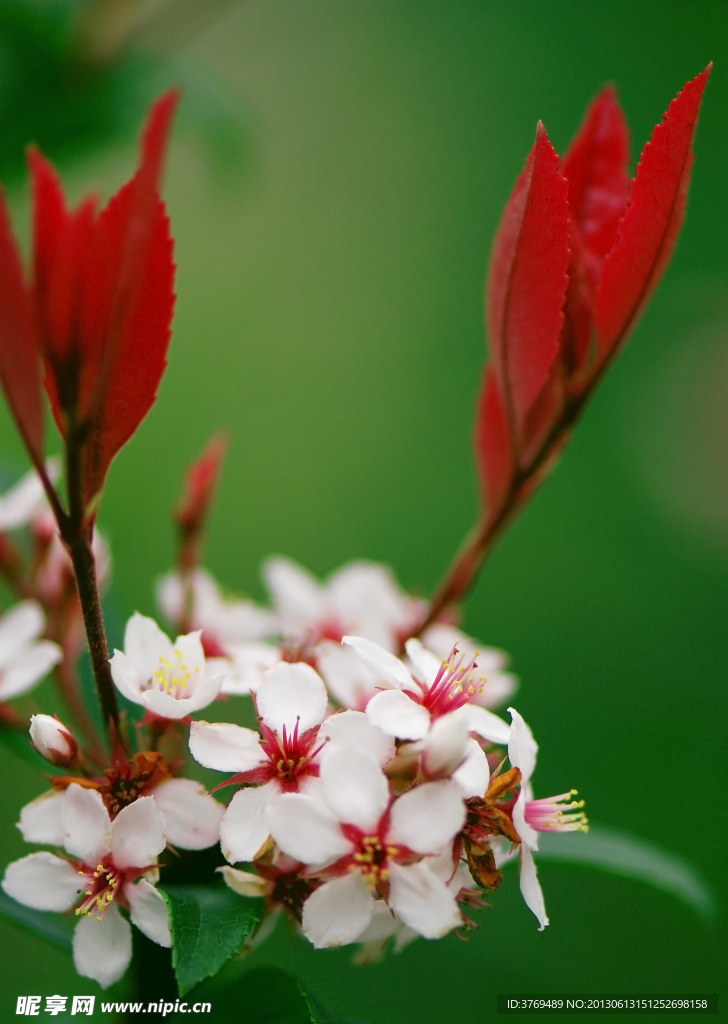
<point>52,740</point>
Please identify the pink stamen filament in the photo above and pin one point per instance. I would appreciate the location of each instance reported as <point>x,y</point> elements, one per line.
<point>452,687</point>
<point>557,814</point>
<point>101,887</point>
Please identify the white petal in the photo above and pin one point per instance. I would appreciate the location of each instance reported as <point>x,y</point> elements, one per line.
<point>148,911</point>
<point>338,912</point>
<point>102,949</point>
<point>244,827</point>
<point>295,592</point>
<point>528,834</point>
<point>144,643</point>
<point>355,730</point>
<point>444,747</point>
<point>422,901</point>
<point>362,591</point>
<point>41,821</point>
<point>530,886</point>
<point>191,815</point>
<point>385,666</point>
<point>206,691</point>
<point>305,829</point>
<point>347,678</point>
<point>192,652</point>
<point>426,664</point>
<point>473,775</point>
<point>164,705</point>
<point>427,817</point>
<point>28,668</point>
<point>244,883</point>
<point>291,693</point>
<point>137,834</point>
<point>86,825</point>
<point>127,679</point>
<point>485,723</point>
<point>43,882</point>
<point>249,662</point>
<point>225,747</point>
<point>397,715</point>
<point>522,747</point>
<point>18,626</point>
<point>354,787</point>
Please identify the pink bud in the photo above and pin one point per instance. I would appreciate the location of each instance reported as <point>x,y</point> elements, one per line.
<point>52,740</point>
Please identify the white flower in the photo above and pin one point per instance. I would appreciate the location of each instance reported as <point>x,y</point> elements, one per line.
<point>225,622</point>
<point>291,704</point>
<point>411,702</point>
<point>369,850</point>
<point>24,659</point>
<point>533,816</point>
<point>111,864</point>
<point>52,740</point>
<point>360,597</point>
<point>169,680</point>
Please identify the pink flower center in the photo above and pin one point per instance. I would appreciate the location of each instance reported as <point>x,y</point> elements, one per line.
<point>290,756</point>
<point>454,685</point>
<point>371,857</point>
<point>101,889</point>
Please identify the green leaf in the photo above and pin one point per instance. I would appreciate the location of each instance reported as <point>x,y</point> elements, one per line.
<point>272,996</point>
<point>619,853</point>
<point>52,929</point>
<point>209,925</point>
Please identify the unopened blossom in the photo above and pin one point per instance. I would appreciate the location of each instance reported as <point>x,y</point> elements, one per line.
<point>171,680</point>
<point>369,847</point>
<point>291,704</point>
<point>52,740</point>
<point>553,814</point>
<point>409,702</point>
<point>24,659</point>
<point>109,864</point>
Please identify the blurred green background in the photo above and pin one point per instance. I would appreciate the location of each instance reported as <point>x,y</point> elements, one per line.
<point>330,318</point>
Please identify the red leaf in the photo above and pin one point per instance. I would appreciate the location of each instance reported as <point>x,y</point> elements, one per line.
<point>19,347</point>
<point>527,281</point>
<point>595,166</point>
<point>63,266</point>
<point>648,230</point>
<point>141,349</point>
<point>136,238</point>
<point>493,445</point>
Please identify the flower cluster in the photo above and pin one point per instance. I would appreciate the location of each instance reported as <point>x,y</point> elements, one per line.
<point>374,794</point>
